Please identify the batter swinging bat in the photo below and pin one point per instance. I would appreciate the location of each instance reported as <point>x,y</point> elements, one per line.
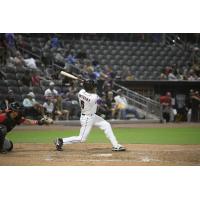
<point>70,76</point>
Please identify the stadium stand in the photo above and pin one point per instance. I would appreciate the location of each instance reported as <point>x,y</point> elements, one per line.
<point>98,56</point>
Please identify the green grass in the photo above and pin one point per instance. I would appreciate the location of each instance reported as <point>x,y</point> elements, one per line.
<point>124,135</point>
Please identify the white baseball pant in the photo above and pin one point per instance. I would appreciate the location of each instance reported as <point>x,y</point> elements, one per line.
<point>87,122</point>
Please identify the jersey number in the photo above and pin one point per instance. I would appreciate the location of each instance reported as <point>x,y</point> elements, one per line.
<point>82,104</point>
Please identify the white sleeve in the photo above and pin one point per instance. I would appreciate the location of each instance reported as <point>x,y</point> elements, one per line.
<point>45,105</point>
<point>26,103</point>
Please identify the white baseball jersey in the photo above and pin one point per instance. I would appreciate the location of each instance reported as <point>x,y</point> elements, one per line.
<point>88,102</point>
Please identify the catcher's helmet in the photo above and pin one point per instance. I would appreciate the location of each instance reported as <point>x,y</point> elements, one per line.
<point>89,85</point>
<point>17,107</point>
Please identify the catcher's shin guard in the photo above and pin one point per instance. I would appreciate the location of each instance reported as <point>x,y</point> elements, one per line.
<point>3,131</point>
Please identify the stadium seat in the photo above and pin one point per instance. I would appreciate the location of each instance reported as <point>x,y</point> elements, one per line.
<point>18,97</point>
<point>16,90</point>
<point>24,90</point>
<point>37,90</point>
<point>11,76</point>
<point>3,83</point>
<point>12,82</point>
<point>10,70</point>
<point>3,90</point>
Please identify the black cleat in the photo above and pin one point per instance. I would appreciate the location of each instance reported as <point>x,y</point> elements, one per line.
<point>3,152</point>
<point>59,143</point>
<point>119,148</point>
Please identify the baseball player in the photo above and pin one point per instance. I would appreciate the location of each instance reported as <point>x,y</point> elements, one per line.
<point>89,101</point>
<point>8,120</point>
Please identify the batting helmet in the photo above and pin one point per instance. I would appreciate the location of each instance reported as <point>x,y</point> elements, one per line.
<point>89,85</point>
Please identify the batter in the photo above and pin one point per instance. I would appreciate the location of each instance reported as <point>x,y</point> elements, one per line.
<point>89,101</point>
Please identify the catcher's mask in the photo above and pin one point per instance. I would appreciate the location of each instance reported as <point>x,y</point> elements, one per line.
<point>17,107</point>
<point>89,85</point>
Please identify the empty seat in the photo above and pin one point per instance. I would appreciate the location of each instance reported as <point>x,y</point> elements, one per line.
<point>10,70</point>
<point>12,82</point>
<point>18,97</point>
<point>3,90</point>
<point>11,76</point>
<point>45,82</point>
<point>3,83</point>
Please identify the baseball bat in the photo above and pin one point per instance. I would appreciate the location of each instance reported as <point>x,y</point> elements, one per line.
<point>70,76</point>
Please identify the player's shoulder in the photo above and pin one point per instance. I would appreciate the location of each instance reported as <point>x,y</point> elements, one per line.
<point>81,91</point>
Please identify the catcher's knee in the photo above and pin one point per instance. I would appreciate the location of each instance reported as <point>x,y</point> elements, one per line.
<point>3,131</point>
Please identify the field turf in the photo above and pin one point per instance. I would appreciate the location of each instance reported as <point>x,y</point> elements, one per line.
<point>190,135</point>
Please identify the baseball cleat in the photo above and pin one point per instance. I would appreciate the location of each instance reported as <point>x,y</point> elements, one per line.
<point>3,152</point>
<point>119,148</point>
<point>59,143</point>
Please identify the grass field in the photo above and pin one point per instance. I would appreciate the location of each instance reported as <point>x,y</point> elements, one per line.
<point>189,135</point>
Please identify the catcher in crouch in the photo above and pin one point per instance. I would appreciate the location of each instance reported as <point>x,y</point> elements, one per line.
<point>89,100</point>
<point>8,120</point>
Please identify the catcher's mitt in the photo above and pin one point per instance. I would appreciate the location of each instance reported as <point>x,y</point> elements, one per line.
<point>45,120</point>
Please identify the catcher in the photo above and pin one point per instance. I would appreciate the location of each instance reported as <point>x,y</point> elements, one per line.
<point>8,120</point>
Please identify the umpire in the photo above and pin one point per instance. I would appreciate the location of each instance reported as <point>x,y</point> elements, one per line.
<point>8,120</point>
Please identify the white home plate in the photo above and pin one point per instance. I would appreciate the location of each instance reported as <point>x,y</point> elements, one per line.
<point>103,155</point>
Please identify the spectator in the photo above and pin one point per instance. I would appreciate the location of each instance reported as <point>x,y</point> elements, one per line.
<point>110,102</point>
<point>171,76</point>
<point>129,76</point>
<point>123,106</point>
<point>163,76</point>
<point>18,60</point>
<point>10,40</point>
<point>181,107</point>
<point>55,42</point>
<point>35,79</point>
<point>49,108</point>
<point>26,78</point>
<point>30,63</point>
<point>166,103</point>
<point>8,99</point>
<point>3,50</point>
<point>59,58</point>
<point>59,111</point>
<point>32,107</point>
<point>70,100</point>
<point>51,91</point>
<point>195,106</point>
<point>71,59</point>
<point>191,76</point>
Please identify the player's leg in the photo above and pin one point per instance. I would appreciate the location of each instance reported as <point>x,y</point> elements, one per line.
<point>86,125</point>
<point>3,132</point>
<point>106,127</point>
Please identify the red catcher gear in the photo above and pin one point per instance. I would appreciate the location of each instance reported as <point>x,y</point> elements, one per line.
<point>9,122</point>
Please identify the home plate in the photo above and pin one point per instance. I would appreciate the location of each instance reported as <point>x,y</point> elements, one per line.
<point>103,155</point>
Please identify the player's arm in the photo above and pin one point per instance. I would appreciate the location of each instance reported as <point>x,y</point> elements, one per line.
<point>35,122</point>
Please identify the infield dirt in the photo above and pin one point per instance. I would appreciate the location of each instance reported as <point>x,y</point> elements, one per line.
<point>101,154</point>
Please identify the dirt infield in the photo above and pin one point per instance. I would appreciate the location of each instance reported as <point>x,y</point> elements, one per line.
<point>101,155</point>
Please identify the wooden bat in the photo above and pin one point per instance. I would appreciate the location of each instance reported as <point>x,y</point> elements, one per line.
<point>70,76</point>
